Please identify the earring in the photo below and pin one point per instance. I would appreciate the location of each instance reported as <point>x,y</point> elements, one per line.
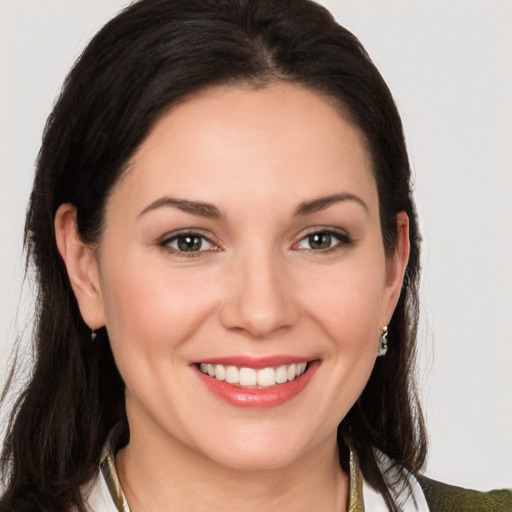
<point>93,334</point>
<point>383,342</point>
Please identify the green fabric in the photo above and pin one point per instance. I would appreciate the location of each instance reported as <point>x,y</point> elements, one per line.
<point>108,468</point>
<point>449,498</point>
<point>356,503</point>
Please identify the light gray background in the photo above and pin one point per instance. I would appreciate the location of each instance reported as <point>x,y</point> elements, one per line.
<point>449,65</point>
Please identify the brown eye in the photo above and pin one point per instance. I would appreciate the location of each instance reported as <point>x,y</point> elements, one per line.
<point>189,243</point>
<point>325,241</point>
<point>320,241</point>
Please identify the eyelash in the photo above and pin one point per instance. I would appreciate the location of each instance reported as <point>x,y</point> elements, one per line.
<point>166,242</point>
<point>342,240</point>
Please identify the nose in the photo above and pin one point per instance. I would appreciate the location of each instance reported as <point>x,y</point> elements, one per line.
<point>259,300</point>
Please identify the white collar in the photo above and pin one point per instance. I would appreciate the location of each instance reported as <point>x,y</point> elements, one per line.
<point>97,496</point>
<point>410,497</point>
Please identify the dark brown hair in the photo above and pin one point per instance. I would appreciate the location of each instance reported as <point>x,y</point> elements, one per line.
<point>152,55</point>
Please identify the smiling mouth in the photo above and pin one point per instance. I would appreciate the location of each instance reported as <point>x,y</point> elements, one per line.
<point>250,378</point>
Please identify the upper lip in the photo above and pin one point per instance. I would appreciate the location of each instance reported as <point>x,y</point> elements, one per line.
<point>256,362</point>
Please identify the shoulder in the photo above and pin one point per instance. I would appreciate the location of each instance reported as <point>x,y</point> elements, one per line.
<point>443,497</point>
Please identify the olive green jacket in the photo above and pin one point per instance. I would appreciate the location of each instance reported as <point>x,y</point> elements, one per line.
<point>445,498</point>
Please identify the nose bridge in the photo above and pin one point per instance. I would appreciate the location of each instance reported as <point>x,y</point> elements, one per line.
<point>259,301</point>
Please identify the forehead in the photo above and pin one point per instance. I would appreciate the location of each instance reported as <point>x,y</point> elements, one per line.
<point>279,142</point>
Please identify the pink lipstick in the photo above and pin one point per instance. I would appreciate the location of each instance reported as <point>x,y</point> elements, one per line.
<point>256,382</point>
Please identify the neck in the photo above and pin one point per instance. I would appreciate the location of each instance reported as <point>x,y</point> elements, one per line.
<point>165,475</point>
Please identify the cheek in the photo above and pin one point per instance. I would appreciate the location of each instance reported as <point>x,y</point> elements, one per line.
<point>150,309</point>
<point>347,301</point>
<point>349,312</point>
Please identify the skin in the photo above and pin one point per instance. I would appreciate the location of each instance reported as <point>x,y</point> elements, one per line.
<point>257,287</point>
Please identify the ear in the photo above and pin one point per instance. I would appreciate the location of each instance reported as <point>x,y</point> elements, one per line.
<point>396,266</point>
<point>81,265</point>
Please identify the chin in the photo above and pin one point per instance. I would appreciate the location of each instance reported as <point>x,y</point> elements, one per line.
<point>256,452</point>
<point>256,459</point>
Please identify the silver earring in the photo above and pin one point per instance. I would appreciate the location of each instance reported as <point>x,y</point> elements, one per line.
<point>93,334</point>
<point>383,342</point>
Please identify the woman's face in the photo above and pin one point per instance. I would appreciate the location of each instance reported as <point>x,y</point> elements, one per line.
<point>244,241</point>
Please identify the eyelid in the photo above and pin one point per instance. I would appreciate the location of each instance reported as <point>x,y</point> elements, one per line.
<point>344,238</point>
<point>166,239</point>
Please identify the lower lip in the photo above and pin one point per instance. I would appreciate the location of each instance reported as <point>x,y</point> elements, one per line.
<point>258,398</point>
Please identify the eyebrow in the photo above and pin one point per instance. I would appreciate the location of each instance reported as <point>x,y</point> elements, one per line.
<point>212,212</point>
<point>194,207</point>
<point>316,205</point>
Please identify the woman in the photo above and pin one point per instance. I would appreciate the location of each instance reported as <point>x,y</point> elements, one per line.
<point>224,234</point>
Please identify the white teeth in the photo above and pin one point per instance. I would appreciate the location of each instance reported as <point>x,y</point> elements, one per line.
<point>249,377</point>
<point>220,372</point>
<point>266,377</point>
<point>291,371</point>
<point>281,374</point>
<point>232,375</point>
